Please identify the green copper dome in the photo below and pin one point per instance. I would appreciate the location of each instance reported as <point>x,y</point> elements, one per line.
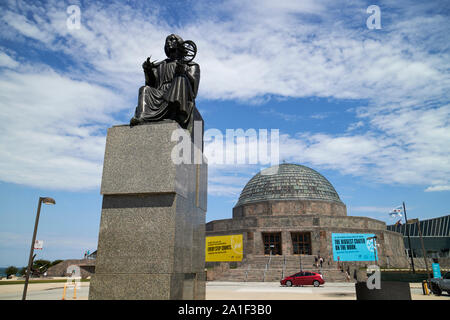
<point>289,182</point>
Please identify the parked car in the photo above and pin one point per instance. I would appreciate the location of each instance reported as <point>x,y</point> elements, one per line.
<point>303,278</point>
<point>441,284</point>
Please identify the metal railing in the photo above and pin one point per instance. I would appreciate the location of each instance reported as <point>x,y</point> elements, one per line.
<point>246,273</point>
<point>267,266</point>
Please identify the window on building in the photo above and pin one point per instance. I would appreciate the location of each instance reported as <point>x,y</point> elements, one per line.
<point>272,241</point>
<point>301,242</point>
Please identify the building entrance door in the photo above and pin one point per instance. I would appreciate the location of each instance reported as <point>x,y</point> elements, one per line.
<point>272,241</point>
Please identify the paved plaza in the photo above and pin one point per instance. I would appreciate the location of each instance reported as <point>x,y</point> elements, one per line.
<point>216,290</point>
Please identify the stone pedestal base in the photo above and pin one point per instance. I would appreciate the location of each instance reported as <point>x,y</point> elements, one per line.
<point>152,232</point>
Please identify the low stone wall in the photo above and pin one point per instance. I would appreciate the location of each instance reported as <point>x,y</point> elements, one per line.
<point>87,268</point>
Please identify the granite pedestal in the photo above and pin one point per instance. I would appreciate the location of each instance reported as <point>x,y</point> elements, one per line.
<point>152,231</point>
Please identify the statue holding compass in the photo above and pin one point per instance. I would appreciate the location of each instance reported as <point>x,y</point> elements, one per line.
<point>170,86</point>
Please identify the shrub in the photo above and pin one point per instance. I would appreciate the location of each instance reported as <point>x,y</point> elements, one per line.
<point>11,270</point>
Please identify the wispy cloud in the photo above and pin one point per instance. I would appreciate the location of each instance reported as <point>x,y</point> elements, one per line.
<point>285,116</point>
<point>321,116</point>
<point>438,188</point>
<point>53,128</point>
<point>51,242</point>
<point>288,49</point>
<point>371,209</point>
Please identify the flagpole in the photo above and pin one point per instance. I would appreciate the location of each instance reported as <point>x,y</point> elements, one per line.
<point>409,239</point>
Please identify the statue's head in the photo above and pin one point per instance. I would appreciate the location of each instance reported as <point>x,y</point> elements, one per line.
<point>174,47</point>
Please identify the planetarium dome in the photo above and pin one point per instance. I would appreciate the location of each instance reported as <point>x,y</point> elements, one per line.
<point>288,182</point>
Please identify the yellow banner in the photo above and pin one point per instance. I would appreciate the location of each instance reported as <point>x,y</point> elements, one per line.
<point>224,248</point>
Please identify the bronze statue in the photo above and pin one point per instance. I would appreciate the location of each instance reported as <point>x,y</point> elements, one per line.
<point>170,85</point>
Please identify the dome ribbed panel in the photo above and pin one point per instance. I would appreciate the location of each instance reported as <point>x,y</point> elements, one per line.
<point>289,182</point>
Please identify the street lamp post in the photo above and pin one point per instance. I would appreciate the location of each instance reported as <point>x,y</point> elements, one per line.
<point>409,239</point>
<point>423,245</point>
<point>44,200</point>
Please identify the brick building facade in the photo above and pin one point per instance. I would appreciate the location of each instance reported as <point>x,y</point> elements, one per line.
<point>292,210</point>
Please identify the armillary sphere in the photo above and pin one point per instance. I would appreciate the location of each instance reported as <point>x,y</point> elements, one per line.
<point>190,49</point>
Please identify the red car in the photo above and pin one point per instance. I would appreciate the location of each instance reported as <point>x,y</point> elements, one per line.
<point>303,278</point>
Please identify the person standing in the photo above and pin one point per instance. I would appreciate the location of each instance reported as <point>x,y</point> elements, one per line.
<point>321,261</point>
<point>347,276</point>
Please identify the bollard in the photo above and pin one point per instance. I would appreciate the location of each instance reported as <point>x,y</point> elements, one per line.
<point>64,292</point>
<point>65,289</point>
<point>425,287</point>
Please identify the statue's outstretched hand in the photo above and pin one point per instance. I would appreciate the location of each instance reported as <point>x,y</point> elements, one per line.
<point>148,64</point>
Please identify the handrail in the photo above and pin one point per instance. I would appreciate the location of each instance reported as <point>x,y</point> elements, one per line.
<point>246,273</point>
<point>267,266</point>
<point>300,257</point>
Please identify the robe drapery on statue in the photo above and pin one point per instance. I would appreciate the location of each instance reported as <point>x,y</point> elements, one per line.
<point>170,90</point>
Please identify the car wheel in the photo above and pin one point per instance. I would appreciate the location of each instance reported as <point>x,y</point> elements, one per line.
<point>316,283</point>
<point>288,283</point>
<point>437,291</point>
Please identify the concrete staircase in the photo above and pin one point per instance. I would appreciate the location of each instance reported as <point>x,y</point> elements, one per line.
<point>254,270</point>
<point>419,263</point>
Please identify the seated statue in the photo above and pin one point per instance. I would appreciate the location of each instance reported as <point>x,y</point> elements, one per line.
<point>170,86</point>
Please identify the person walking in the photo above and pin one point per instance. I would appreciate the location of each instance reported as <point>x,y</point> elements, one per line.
<point>347,276</point>
<point>315,261</point>
<point>321,261</point>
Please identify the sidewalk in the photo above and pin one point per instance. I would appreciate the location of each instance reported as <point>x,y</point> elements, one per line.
<point>218,290</point>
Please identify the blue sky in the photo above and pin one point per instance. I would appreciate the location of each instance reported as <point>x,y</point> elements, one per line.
<point>368,108</point>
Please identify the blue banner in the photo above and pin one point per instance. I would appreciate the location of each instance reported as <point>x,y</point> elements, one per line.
<point>353,247</point>
<point>436,270</point>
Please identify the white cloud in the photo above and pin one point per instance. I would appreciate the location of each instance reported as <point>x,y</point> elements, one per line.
<point>7,61</point>
<point>20,240</point>
<point>53,129</point>
<point>437,188</point>
<point>222,190</point>
<point>371,209</point>
<point>355,126</point>
<point>274,49</point>
<point>411,149</point>
<point>285,116</point>
<point>22,25</point>
<point>247,51</point>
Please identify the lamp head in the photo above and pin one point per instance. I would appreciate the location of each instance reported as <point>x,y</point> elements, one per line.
<point>48,200</point>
